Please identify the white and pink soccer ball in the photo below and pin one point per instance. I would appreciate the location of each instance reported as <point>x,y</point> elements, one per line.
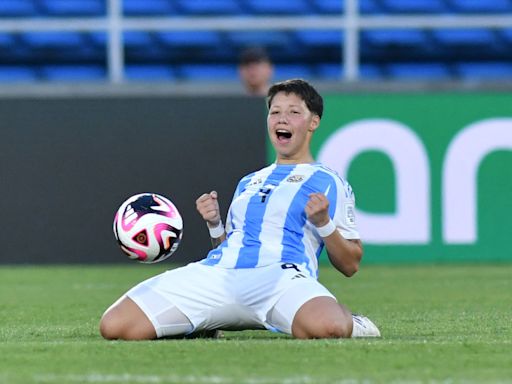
<point>148,227</point>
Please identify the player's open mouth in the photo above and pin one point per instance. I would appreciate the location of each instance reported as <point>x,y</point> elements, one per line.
<point>283,135</point>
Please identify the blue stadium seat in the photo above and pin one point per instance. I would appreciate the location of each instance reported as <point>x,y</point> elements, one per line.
<point>328,6</point>
<point>208,72</point>
<point>7,41</point>
<point>65,41</point>
<point>73,73</point>
<point>70,8</point>
<point>484,70</point>
<point>278,7</point>
<point>289,71</point>
<point>320,39</point>
<point>148,8</point>
<point>241,39</point>
<point>210,7</point>
<point>401,38</point>
<point>142,47</point>
<point>149,72</point>
<point>476,41</point>
<point>417,71</point>
<point>370,71</point>
<point>480,6</point>
<point>132,40</point>
<point>506,35</point>
<point>369,7</point>
<point>415,6</point>
<point>332,7</point>
<point>334,71</point>
<point>190,39</point>
<point>280,45</point>
<point>17,8</point>
<point>17,74</point>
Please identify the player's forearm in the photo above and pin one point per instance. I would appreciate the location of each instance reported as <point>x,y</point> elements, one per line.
<point>344,254</point>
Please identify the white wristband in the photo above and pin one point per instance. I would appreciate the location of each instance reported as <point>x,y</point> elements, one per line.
<point>217,231</point>
<point>327,229</point>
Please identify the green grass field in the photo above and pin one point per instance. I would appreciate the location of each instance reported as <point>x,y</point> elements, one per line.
<point>440,323</point>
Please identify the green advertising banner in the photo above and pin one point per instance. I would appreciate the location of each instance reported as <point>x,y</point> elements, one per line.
<point>432,173</point>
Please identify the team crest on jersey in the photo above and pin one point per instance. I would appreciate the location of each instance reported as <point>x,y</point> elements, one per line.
<point>350,215</point>
<point>295,178</point>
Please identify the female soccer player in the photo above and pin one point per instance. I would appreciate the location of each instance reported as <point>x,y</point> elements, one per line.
<point>263,270</point>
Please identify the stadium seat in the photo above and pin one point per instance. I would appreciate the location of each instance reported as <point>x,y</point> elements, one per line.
<point>369,7</point>
<point>189,39</point>
<point>506,35</point>
<point>17,8</point>
<point>315,45</point>
<point>484,70</point>
<point>70,8</point>
<point>241,39</point>
<point>149,72</point>
<point>148,8</point>
<point>278,7</point>
<point>17,74</point>
<point>416,6</point>
<point>478,7</point>
<point>210,7</point>
<point>468,43</point>
<point>334,71</point>
<point>42,40</point>
<point>417,71</point>
<point>289,71</point>
<point>207,72</point>
<point>463,37</point>
<point>320,39</point>
<point>73,73</point>
<point>328,7</point>
<point>7,41</point>
<point>192,46</point>
<point>394,44</point>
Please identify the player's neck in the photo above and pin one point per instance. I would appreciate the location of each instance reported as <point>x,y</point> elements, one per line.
<point>299,160</point>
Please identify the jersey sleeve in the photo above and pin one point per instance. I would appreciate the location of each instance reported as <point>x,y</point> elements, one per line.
<point>344,215</point>
<point>237,192</point>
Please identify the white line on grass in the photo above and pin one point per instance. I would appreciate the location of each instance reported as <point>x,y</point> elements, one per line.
<point>188,379</point>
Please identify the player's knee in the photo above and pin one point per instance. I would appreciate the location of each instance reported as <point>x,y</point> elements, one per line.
<point>325,329</point>
<point>112,328</point>
<point>109,327</point>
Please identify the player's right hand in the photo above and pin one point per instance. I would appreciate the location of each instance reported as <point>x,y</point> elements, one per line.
<point>208,207</point>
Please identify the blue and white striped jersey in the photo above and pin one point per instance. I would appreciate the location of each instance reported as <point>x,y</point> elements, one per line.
<point>267,223</point>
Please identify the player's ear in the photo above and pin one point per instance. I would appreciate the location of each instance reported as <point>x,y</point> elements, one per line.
<point>315,123</point>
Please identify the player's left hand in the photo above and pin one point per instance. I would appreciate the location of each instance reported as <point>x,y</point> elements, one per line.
<point>317,209</point>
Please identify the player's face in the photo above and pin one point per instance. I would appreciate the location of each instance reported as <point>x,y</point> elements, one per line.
<point>290,126</point>
<point>256,76</point>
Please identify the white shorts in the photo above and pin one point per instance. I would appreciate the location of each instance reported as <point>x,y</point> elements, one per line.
<point>229,299</point>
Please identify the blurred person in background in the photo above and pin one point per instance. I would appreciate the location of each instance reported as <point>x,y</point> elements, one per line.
<point>256,70</point>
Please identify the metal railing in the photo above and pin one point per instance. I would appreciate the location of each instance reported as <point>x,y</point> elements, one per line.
<point>351,23</point>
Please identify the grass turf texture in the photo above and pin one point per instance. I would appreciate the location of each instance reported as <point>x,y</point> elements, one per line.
<point>449,323</point>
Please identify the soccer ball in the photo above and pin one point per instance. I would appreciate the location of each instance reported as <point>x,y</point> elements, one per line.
<point>148,227</point>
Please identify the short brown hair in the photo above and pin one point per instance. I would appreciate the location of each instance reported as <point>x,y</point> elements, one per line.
<point>301,88</point>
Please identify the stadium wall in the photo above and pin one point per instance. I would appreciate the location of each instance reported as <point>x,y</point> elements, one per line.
<point>67,163</point>
<point>432,172</point>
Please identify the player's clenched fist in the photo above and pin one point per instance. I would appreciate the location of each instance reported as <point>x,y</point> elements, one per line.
<point>208,207</point>
<point>317,209</point>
